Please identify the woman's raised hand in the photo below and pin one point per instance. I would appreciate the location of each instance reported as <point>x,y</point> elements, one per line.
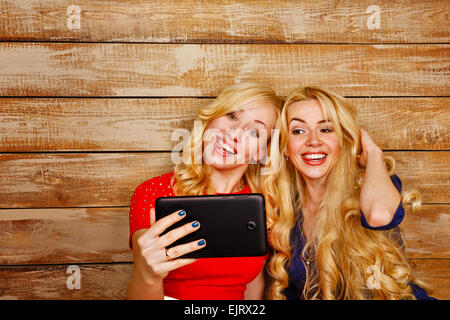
<point>369,149</point>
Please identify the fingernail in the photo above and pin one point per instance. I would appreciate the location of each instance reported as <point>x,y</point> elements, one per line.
<point>181,213</point>
<point>201,242</point>
<point>195,224</point>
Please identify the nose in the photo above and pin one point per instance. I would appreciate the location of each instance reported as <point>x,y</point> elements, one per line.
<point>313,139</point>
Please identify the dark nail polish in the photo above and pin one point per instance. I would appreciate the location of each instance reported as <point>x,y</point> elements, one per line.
<point>195,224</point>
<point>201,242</point>
<point>181,213</point>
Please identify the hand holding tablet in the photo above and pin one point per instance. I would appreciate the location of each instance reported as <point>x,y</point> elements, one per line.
<point>219,225</point>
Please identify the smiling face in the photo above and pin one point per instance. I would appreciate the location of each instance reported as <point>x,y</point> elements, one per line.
<point>312,143</point>
<point>240,137</point>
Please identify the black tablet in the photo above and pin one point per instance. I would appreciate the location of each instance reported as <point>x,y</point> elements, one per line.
<point>232,225</point>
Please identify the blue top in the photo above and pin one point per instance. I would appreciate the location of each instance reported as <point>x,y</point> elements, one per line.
<point>297,270</point>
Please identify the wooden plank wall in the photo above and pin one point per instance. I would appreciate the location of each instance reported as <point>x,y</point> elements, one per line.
<point>90,92</point>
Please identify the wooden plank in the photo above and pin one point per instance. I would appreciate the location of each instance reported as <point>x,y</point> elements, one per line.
<point>72,180</point>
<point>75,235</point>
<point>97,282</point>
<point>225,21</point>
<point>428,172</point>
<point>435,273</point>
<point>109,281</point>
<point>64,124</point>
<point>104,69</point>
<point>60,124</point>
<point>425,234</point>
<point>95,235</point>
<point>109,179</point>
<point>409,123</point>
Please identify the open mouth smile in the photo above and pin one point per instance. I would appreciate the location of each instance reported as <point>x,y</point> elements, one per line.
<point>314,158</point>
<point>223,148</point>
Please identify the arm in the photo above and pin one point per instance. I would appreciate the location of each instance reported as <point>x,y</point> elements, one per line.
<point>255,288</point>
<point>379,197</point>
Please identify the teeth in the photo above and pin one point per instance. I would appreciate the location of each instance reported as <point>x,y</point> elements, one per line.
<point>226,147</point>
<point>314,156</point>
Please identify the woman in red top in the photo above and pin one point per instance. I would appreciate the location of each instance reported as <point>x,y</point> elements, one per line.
<point>224,154</point>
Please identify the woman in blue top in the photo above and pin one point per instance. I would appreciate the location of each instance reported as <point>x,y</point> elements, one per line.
<point>338,204</point>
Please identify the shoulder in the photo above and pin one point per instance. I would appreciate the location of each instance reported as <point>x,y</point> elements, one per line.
<point>163,179</point>
<point>156,186</point>
<point>156,182</point>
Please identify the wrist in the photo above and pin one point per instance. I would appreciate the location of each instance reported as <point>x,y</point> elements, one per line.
<point>149,281</point>
<point>140,290</point>
<point>374,153</point>
<point>146,278</point>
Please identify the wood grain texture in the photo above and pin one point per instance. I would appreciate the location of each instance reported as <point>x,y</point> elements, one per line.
<point>76,180</point>
<point>109,179</point>
<point>74,235</point>
<point>98,282</point>
<point>435,273</point>
<point>64,124</point>
<point>109,281</point>
<point>251,21</point>
<point>59,124</point>
<point>96,235</point>
<point>105,69</point>
<point>87,114</point>
<point>408,123</point>
<point>427,172</point>
<point>426,233</point>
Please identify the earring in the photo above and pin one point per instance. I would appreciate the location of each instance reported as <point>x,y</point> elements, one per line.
<point>263,160</point>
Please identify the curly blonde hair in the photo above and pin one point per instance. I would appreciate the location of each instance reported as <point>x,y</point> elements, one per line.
<point>191,176</point>
<point>341,251</point>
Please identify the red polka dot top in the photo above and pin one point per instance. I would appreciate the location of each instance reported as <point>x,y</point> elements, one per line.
<point>207,278</point>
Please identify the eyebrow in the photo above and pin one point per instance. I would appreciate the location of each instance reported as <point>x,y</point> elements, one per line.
<point>301,120</point>
<point>256,120</point>
<point>259,121</point>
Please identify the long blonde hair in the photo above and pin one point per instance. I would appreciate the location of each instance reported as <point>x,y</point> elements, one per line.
<point>191,175</point>
<point>341,252</point>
